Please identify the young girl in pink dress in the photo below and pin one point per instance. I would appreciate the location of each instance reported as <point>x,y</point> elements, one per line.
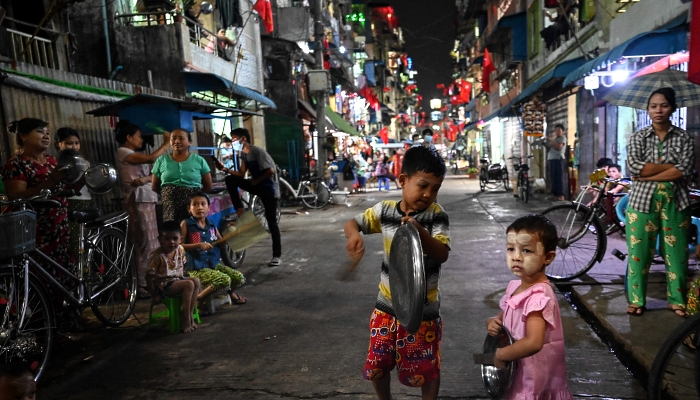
<point>531,314</point>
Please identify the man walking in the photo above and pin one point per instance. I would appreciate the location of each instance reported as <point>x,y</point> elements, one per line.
<point>555,161</point>
<point>263,183</point>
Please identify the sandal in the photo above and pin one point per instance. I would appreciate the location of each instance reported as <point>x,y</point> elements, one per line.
<point>678,310</point>
<point>237,300</point>
<point>636,311</point>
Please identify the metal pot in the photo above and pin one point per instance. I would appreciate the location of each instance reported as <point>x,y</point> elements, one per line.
<point>206,8</point>
<point>73,163</point>
<point>101,178</point>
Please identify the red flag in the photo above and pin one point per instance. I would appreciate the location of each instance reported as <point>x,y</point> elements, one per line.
<point>487,69</point>
<point>694,47</point>
<point>384,135</point>
<point>264,8</point>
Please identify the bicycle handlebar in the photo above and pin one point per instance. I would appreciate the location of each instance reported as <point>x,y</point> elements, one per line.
<point>42,197</point>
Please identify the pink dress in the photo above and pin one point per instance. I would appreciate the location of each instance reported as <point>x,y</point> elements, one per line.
<point>541,376</point>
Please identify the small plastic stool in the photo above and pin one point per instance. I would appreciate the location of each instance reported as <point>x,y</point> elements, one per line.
<point>172,312</point>
<point>383,183</point>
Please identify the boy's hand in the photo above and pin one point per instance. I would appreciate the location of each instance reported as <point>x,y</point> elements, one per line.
<point>355,246</point>
<point>494,326</point>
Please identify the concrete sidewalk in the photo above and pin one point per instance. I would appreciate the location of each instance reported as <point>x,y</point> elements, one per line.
<point>600,294</point>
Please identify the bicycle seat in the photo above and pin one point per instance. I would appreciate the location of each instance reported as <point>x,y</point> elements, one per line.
<point>86,215</point>
<point>108,219</point>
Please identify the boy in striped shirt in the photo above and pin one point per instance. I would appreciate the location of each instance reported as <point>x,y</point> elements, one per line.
<point>416,357</point>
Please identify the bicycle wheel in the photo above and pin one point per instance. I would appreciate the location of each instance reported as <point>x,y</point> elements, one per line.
<point>506,181</point>
<point>259,211</point>
<point>233,259</point>
<point>111,277</point>
<point>526,190</point>
<point>675,372</point>
<point>31,340</point>
<point>579,244</point>
<point>315,195</point>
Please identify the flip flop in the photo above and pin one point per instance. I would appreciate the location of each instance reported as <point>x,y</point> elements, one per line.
<point>237,300</point>
<point>142,293</point>
<point>678,310</point>
<point>636,311</point>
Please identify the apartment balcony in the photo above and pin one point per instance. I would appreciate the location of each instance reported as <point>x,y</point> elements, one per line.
<point>45,49</point>
<point>155,48</point>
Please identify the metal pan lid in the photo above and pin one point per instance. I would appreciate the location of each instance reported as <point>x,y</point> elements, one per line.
<point>407,277</point>
<point>497,380</point>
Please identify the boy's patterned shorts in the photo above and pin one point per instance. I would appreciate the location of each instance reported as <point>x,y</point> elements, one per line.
<point>416,356</point>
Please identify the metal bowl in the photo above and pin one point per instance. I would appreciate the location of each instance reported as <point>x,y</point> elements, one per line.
<point>497,380</point>
<point>73,163</point>
<point>206,8</point>
<point>407,277</point>
<point>101,178</point>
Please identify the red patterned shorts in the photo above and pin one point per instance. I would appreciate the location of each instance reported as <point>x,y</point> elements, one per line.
<point>416,356</point>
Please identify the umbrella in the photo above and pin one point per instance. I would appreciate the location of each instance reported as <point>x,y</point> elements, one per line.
<point>635,93</point>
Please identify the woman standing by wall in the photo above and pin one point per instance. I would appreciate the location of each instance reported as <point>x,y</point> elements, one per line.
<point>139,200</point>
<point>178,175</point>
<point>27,174</point>
<point>660,159</point>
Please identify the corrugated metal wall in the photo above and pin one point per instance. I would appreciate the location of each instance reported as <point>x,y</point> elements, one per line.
<point>96,136</point>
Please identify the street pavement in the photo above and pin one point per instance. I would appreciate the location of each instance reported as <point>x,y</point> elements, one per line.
<point>304,333</point>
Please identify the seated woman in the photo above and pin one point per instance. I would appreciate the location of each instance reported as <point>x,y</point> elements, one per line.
<point>204,260</point>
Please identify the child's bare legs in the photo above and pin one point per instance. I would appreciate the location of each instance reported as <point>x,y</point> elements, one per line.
<point>184,288</point>
<point>193,299</point>
<point>430,390</point>
<point>382,387</point>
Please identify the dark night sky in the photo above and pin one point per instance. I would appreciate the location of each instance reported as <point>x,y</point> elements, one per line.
<point>429,34</point>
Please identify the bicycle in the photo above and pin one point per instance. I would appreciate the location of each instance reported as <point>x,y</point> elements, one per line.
<point>492,175</point>
<point>106,280</point>
<point>675,372</point>
<point>312,191</point>
<point>523,179</point>
<point>582,235</point>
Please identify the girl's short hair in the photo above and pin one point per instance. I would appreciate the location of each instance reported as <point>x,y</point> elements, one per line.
<point>539,224</point>
<point>123,129</point>
<point>25,126</point>
<point>64,133</point>
<point>668,93</point>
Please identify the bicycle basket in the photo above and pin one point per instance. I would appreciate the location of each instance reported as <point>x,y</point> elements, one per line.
<point>18,233</point>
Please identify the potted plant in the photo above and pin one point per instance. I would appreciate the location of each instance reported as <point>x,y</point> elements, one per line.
<point>472,172</point>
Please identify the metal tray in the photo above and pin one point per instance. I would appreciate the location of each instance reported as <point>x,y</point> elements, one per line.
<point>407,277</point>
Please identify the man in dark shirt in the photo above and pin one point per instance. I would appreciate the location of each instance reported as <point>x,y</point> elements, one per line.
<point>263,183</point>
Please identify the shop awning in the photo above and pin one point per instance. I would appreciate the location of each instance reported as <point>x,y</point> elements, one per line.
<point>560,71</point>
<point>340,122</point>
<point>488,118</point>
<point>654,43</point>
<point>206,82</point>
<point>307,107</point>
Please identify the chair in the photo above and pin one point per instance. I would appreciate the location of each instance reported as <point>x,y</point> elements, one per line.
<point>383,183</point>
<point>172,312</point>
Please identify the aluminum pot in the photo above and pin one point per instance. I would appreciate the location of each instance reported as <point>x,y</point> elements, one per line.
<point>497,380</point>
<point>101,178</point>
<point>73,163</point>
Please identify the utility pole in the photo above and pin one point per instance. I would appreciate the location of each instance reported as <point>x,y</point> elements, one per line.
<point>321,157</point>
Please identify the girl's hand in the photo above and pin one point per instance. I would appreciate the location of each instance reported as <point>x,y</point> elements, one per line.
<point>494,326</point>
<point>205,246</point>
<point>498,362</point>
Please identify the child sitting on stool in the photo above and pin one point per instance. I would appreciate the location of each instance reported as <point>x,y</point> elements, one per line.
<point>205,259</point>
<point>166,273</point>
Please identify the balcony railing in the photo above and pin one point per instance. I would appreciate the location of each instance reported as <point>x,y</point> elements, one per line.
<point>199,35</point>
<point>30,49</point>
